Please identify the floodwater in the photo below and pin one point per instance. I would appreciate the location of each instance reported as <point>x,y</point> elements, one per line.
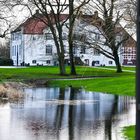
<point>66,114</point>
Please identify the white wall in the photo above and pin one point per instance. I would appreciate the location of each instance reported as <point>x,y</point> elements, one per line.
<point>34,47</point>
<point>16,48</point>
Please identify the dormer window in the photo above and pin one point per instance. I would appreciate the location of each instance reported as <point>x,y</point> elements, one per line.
<point>97,36</point>
<point>96,52</point>
<point>83,49</point>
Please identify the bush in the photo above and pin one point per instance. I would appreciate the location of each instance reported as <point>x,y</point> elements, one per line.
<point>6,62</point>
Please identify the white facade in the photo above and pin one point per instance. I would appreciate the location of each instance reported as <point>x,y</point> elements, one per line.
<point>17,48</point>
<point>39,49</point>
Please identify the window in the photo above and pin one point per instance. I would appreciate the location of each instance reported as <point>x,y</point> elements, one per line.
<point>83,49</point>
<point>34,61</point>
<point>65,49</point>
<point>74,50</point>
<point>78,36</point>
<point>96,52</point>
<point>34,38</point>
<point>48,36</point>
<point>13,50</point>
<point>15,36</point>
<point>110,62</point>
<point>20,49</point>
<point>49,49</point>
<point>97,62</point>
<point>87,61</point>
<point>118,37</point>
<point>12,37</point>
<point>97,36</point>
<point>48,61</point>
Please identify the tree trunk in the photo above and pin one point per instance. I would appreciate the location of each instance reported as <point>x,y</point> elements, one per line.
<point>70,37</point>
<point>62,65</point>
<point>117,62</point>
<point>60,53</point>
<point>72,64</point>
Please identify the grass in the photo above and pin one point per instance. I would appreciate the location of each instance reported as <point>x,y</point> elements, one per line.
<point>123,68</point>
<point>9,93</point>
<point>124,85</point>
<point>50,72</point>
<point>129,132</point>
<point>114,83</point>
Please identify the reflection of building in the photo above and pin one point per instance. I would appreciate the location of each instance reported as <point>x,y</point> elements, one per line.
<point>32,43</point>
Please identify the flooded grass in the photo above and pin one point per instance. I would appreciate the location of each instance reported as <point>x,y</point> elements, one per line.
<point>11,92</point>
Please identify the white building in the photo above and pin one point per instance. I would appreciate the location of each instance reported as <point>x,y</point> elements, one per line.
<point>32,44</point>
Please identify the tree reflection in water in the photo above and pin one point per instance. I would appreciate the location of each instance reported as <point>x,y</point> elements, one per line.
<point>67,114</point>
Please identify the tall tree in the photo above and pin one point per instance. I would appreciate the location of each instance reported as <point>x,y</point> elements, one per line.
<point>54,17</point>
<point>108,25</point>
<point>73,14</point>
<point>50,13</point>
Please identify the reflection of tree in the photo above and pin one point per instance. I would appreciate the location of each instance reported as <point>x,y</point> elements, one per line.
<point>109,120</point>
<point>78,119</point>
<point>71,115</point>
<point>59,112</point>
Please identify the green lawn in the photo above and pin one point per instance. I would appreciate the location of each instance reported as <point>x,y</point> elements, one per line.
<point>129,132</point>
<point>123,85</point>
<point>109,81</point>
<point>123,67</point>
<point>51,72</point>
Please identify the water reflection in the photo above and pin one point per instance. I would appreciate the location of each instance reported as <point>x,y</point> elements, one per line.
<point>66,114</point>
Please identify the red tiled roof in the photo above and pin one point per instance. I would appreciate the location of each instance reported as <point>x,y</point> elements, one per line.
<point>36,24</point>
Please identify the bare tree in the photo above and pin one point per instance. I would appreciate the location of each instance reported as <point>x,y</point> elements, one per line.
<point>5,19</point>
<point>52,17</point>
<point>52,14</point>
<point>109,27</point>
<point>130,13</point>
<point>73,15</point>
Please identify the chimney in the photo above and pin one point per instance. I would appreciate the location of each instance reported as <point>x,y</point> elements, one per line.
<point>96,14</point>
<point>37,11</point>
